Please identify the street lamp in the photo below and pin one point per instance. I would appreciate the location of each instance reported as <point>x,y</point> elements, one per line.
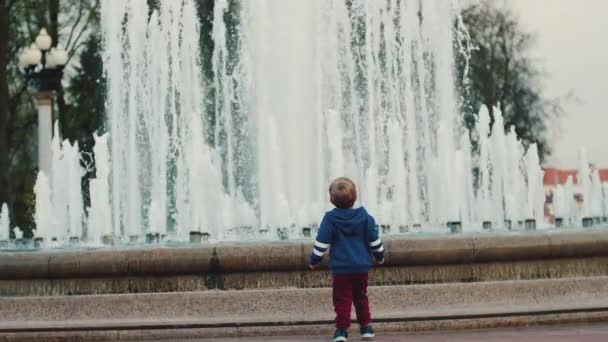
<point>43,66</point>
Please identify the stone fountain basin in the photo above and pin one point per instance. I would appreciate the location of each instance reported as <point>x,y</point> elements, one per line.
<point>249,265</point>
<point>265,288</point>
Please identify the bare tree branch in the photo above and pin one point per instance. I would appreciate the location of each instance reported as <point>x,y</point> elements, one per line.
<point>80,11</point>
<point>72,53</point>
<point>9,5</point>
<point>71,50</point>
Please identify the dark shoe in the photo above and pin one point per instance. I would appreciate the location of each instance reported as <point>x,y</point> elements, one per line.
<point>367,333</point>
<point>340,335</point>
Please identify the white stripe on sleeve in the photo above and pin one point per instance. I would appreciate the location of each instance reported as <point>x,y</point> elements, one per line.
<point>378,250</point>
<point>317,253</point>
<point>375,243</point>
<point>321,244</point>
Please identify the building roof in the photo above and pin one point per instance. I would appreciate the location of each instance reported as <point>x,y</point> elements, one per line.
<point>554,176</point>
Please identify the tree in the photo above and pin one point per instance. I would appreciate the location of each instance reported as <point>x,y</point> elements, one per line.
<point>84,113</point>
<point>502,72</point>
<point>4,54</point>
<point>69,23</point>
<point>80,18</point>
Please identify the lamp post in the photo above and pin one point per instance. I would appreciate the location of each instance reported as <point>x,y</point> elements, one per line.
<point>43,66</point>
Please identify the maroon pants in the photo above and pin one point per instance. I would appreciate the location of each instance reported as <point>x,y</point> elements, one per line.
<point>351,289</point>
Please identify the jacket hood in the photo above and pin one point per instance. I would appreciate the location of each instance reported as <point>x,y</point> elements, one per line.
<point>349,221</point>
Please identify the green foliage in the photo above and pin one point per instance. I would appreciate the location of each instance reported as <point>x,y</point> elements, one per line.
<point>67,21</point>
<point>79,108</point>
<point>85,109</point>
<point>4,47</point>
<point>205,13</point>
<point>503,73</point>
<point>25,19</point>
<point>86,92</point>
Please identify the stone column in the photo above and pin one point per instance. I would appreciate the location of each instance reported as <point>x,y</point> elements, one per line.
<point>44,102</point>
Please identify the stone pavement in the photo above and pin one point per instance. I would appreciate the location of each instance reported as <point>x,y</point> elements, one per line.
<point>569,333</point>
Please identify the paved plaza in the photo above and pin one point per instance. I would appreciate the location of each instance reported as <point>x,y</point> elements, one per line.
<point>572,333</point>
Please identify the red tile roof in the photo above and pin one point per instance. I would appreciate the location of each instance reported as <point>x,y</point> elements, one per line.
<point>555,176</point>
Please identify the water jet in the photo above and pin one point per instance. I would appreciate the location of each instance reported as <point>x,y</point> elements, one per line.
<point>530,224</point>
<point>587,222</point>
<point>455,227</point>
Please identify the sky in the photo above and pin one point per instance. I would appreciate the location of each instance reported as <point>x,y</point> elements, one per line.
<point>573,49</point>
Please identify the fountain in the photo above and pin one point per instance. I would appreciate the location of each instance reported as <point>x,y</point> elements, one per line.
<point>303,91</point>
<point>4,226</point>
<point>59,205</point>
<point>605,202</point>
<point>564,204</point>
<point>363,89</point>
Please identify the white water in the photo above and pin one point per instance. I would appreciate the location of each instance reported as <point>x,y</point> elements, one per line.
<point>511,178</point>
<point>591,188</point>
<point>605,200</point>
<point>100,213</point>
<point>564,203</point>
<point>44,218</point>
<point>4,222</point>
<point>596,196</point>
<point>59,206</point>
<point>320,105</point>
<point>571,207</point>
<point>304,91</point>
<point>584,180</point>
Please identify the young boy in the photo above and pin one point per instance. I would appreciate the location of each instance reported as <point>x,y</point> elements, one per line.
<point>352,235</point>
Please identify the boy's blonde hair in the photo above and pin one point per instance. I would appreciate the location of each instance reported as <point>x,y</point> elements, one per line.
<point>343,193</point>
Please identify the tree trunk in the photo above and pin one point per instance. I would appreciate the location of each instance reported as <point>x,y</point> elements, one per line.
<point>60,94</point>
<point>4,37</point>
<point>53,20</point>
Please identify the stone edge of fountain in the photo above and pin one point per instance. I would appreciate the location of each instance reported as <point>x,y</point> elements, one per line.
<point>293,255</point>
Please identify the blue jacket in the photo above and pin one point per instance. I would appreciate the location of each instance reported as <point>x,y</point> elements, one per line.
<point>353,237</point>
